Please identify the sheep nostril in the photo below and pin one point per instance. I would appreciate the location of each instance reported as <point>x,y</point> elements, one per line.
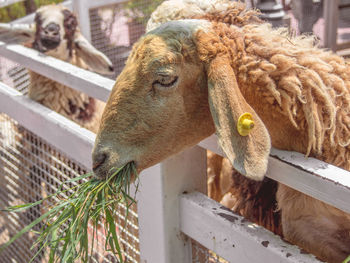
<point>52,29</point>
<point>98,161</point>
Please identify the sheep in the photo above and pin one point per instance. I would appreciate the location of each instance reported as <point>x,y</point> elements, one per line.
<point>290,88</point>
<point>226,185</point>
<point>56,33</point>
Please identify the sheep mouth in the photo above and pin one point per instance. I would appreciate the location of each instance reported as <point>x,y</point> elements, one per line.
<point>103,174</point>
<point>45,44</point>
<point>50,43</point>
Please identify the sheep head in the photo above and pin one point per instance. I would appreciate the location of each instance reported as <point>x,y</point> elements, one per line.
<point>170,96</point>
<point>55,32</point>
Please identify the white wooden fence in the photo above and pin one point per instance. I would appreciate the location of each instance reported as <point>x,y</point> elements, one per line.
<point>172,205</point>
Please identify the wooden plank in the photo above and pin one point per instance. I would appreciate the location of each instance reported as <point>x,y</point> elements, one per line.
<point>81,8</point>
<point>232,236</point>
<point>313,177</point>
<point>342,46</point>
<point>83,80</point>
<point>65,135</point>
<point>158,205</point>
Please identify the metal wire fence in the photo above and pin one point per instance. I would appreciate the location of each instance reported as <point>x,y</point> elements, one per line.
<point>115,28</point>
<point>31,169</point>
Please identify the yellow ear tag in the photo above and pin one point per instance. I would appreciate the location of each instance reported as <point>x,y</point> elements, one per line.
<point>245,124</point>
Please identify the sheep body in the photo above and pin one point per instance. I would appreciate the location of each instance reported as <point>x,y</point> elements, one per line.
<point>301,86</point>
<point>285,71</point>
<point>302,94</point>
<point>74,105</point>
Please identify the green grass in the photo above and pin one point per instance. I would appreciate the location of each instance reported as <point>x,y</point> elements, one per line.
<point>347,260</point>
<point>65,231</point>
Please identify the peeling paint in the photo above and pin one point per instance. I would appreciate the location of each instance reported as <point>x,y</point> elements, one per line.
<point>265,243</point>
<point>226,209</point>
<point>288,255</point>
<point>312,171</point>
<point>230,218</point>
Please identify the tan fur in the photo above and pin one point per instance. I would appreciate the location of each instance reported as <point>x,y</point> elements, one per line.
<point>222,178</point>
<point>300,92</point>
<point>214,168</point>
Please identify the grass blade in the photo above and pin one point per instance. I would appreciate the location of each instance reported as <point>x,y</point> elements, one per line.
<point>65,225</point>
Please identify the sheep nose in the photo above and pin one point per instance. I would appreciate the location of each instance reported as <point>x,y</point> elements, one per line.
<point>52,29</point>
<point>98,160</point>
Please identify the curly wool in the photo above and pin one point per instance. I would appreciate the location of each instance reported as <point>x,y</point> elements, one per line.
<point>68,102</point>
<point>308,85</point>
<point>73,104</point>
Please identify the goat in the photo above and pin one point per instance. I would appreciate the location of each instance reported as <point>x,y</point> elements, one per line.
<point>291,89</point>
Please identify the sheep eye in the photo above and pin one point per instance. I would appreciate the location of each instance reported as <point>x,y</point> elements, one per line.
<point>165,81</point>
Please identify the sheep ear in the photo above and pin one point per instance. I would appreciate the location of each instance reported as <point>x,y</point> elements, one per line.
<point>17,33</point>
<point>249,152</point>
<point>94,59</point>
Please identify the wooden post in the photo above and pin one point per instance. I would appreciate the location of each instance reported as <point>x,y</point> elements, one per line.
<point>81,8</point>
<point>331,17</point>
<point>158,206</point>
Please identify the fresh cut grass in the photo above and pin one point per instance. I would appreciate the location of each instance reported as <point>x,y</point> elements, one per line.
<point>347,260</point>
<point>65,224</point>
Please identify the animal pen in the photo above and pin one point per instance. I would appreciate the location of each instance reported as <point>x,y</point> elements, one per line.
<point>174,221</point>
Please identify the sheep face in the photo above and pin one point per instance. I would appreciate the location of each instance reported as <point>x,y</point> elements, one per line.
<point>158,106</point>
<point>55,29</point>
<point>56,33</point>
<point>168,98</point>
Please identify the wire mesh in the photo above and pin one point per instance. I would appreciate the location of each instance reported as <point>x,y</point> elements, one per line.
<point>31,169</point>
<point>115,28</point>
<point>200,254</point>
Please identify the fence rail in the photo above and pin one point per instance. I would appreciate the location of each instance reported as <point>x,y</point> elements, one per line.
<point>232,236</point>
<point>62,133</point>
<point>86,81</point>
